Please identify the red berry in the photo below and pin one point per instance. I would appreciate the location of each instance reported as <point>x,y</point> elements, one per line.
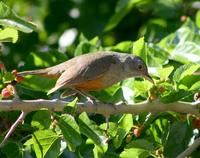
<point>5,93</point>
<point>136,132</point>
<point>10,88</point>
<point>14,72</point>
<point>196,123</point>
<point>1,65</point>
<point>183,18</point>
<point>161,90</point>
<point>19,79</point>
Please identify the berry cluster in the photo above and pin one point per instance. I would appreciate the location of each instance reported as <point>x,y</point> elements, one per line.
<point>9,90</point>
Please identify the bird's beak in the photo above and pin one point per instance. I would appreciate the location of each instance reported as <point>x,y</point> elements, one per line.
<point>149,78</point>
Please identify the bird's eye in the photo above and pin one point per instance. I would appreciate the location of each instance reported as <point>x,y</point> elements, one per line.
<point>140,67</point>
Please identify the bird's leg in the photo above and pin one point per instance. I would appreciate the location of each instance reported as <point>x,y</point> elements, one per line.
<point>91,99</point>
<point>107,123</point>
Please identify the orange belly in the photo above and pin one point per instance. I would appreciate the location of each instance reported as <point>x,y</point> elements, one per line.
<point>91,85</point>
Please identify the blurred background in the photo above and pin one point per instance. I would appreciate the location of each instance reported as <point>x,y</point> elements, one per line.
<point>62,23</point>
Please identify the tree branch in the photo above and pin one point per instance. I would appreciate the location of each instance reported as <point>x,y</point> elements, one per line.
<point>190,149</point>
<point>100,108</point>
<point>13,127</point>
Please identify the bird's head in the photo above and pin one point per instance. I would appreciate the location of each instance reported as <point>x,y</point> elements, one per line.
<point>135,66</point>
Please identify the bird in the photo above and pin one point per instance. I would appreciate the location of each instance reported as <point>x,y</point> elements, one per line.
<point>93,71</point>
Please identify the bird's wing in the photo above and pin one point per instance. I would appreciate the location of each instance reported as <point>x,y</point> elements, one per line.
<point>85,69</point>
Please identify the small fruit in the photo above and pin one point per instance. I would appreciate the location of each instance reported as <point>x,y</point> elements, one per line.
<point>183,18</point>
<point>5,93</point>
<point>196,123</point>
<point>10,88</point>
<point>8,91</point>
<point>153,96</point>
<point>19,79</point>
<point>14,72</point>
<point>136,132</point>
<point>1,65</point>
<point>161,90</point>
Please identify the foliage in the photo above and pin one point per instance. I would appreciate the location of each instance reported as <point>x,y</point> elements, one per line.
<point>166,34</point>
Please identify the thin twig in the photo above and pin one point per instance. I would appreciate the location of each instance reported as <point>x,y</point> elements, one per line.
<point>13,127</point>
<point>190,149</point>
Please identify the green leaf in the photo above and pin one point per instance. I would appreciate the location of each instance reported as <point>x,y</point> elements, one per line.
<point>187,52</point>
<point>165,72</point>
<point>41,60</point>
<point>122,9</point>
<point>159,130</point>
<point>39,121</point>
<point>174,96</point>
<point>38,83</point>
<point>9,35</point>
<point>142,86</point>
<point>86,46</point>
<point>12,150</point>
<point>128,90</point>
<point>125,46</point>
<point>9,18</point>
<point>195,86</point>
<point>183,45</point>
<point>92,131</point>
<point>139,49</point>
<point>183,71</point>
<point>8,77</point>
<point>142,144</point>
<point>188,82</point>
<point>70,130</point>
<point>71,107</point>
<point>156,57</point>
<point>124,126</point>
<point>198,19</point>
<point>112,130</point>
<point>46,144</point>
<point>28,93</point>
<point>134,152</point>
<point>178,139</point>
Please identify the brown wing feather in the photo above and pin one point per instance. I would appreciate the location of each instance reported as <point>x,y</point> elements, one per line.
<point>85,69</point>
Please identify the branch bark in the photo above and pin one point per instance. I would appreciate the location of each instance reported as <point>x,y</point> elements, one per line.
<point>13,127</point>
<point>190,149</point>
<point>100,108</point>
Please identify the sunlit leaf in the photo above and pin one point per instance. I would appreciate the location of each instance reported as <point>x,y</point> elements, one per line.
<point>70,130</point>
<point>122,9</point>
<point>9,18</point>
<point>183,71</point>
<point>165,72</point>
<point>142,144</point>
<point>8,77</point>
<point>174,96</point>
<point>91,130</point>
<point>134,152</point>
<point>124,126</point>
<point>139,47</point>
<point>198,19</point>
<point>9,35</point>
<point>46,144</point>
<point>39,121</point>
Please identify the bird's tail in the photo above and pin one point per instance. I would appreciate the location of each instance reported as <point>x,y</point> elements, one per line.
<point>34,72</point>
